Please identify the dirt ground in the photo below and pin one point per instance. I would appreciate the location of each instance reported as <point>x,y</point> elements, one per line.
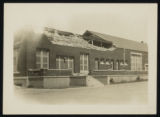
<point>126,93</point>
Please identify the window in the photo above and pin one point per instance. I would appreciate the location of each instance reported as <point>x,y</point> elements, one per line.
<point>102,62</point>
<point>57,62</point>
<point>64,62</point>
<point>42,59</point>
<point>117,65</point>
<point>84,63</point>
<point>107,62</point>
<point>96,64</point>
<point>112,64</point>
<point>15,60</point>
<point>71,63</point>
<point>136,61</point>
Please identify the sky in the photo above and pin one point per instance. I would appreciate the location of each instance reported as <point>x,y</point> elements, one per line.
<point>128,21</point>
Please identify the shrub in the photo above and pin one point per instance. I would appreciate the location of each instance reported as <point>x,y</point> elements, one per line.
<point>138,78</point>
<point>111,80</point>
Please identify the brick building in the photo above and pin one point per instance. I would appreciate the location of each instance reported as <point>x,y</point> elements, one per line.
<point>92,53</point>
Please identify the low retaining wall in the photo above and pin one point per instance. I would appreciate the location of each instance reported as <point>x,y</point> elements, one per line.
<point>126,78</point>
<point>49,82</point>
<point>36,82</point>
<point>20,81</point>
<point>78,81</point>
<point>52,79</point>
<point>118,76</point>
<point>43,82</point>
<point>56,82</point>
<point>111,79</point>
<point>49,78</point>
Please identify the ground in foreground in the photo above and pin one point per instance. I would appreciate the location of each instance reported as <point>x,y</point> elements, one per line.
<point>126,93</point>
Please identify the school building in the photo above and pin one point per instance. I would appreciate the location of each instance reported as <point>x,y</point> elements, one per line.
<point>57,59</point>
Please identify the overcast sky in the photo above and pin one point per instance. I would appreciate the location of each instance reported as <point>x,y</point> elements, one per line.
<point>128,21</point>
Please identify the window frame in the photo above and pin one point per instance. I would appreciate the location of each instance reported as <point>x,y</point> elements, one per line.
<point>136,61</point>
<point>60,58</point>
<point>96,64</point>
<point>42,56</point>
<point>112,64</point>
<point>117,65</point>
<point>83,57</point>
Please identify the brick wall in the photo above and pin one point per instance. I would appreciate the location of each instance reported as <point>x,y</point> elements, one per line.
<point>49,72</point>
<point>44,78</point>
<point>104,72</point>
<point>27,59</point>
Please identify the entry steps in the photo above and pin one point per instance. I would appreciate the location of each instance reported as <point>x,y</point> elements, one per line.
<point>93,82</point>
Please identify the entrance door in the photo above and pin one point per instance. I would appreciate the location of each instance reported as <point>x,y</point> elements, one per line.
<point>84,63</point>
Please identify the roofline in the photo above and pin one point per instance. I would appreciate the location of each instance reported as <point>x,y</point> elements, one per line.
<point>115,37</point>
<point>132,49</point>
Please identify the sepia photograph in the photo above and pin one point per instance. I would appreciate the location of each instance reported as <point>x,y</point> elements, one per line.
<point>80,58</point>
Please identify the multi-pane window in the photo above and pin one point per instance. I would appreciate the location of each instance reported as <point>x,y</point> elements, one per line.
<point>136,61</point>
<point>15,60</point>
<point>64,62</point>
<point>42,59</point>
<point>84,63</point>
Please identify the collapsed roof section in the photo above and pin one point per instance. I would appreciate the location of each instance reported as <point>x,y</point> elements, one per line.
<point>117,41</point>
<point>72,40</point>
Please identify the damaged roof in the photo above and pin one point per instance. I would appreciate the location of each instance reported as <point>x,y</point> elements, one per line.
<point>52,30</point>
<point>120,42</point>
<point>73,40</point>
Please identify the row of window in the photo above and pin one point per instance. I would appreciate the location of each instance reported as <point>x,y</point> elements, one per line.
<point>136,63</point>
<point>67,62</point>
<point>98,63</point>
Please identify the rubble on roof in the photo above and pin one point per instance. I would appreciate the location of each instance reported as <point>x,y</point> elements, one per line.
<point>74,40</point>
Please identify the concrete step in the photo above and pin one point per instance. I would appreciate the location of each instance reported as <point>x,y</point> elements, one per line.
<point>92,82</point>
